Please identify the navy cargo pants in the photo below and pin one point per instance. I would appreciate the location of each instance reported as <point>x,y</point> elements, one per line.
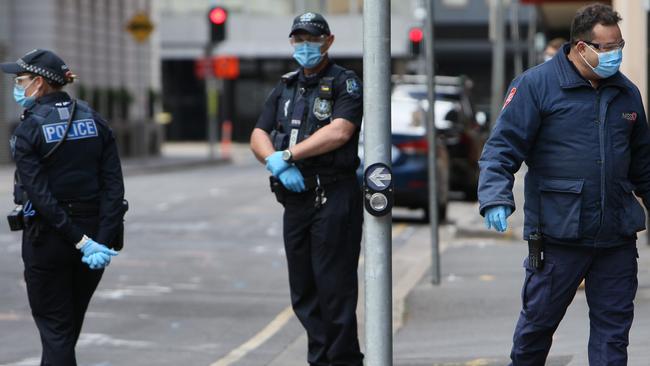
<point>610,276</point>
<point>322,247</point>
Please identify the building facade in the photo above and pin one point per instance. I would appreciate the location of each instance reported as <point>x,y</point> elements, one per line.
<point>635,14</point>
<point>257,33</point>
<point>117,75</point>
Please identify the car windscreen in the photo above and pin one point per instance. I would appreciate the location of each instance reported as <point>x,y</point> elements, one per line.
<point>408,116</point>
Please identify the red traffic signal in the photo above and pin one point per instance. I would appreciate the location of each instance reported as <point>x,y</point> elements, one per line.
<point>416,35</point>
<point>218,15</point>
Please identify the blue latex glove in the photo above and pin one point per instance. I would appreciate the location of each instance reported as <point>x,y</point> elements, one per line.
<point>496,217</point>
<point>275,164</point>
<point>97,260</point>
<point>96,255</point>
<point>292,179</point>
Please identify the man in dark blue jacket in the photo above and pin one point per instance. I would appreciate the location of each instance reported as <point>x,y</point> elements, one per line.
<point>580,126</point>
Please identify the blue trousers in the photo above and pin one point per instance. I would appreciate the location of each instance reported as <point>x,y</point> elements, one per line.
<point>610,276</point>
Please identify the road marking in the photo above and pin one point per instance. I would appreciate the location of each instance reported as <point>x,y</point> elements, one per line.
<point>33,361</point>
<point>398,229</point>
<point>258,339</point>
<point>9,316</point>
<point>276,324</point>
<point>486,277</point>
<point>99,339</point>
<point>478,362</point>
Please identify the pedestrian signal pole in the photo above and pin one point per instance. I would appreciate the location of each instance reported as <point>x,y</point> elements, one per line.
<point>378,188</point>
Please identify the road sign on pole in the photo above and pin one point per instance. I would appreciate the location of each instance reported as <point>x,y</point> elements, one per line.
<point>140,27</point>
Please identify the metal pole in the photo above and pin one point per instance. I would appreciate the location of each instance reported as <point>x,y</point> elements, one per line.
<point>514,34</point>
<point>212,103</point>
<point>532,30</point>
<point>377,230</point>
<point>498,57</point>
<point>431,138</point>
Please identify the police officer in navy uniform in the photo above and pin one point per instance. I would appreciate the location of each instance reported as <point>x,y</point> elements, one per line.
<point>580,126</point>
<point>307,135</point>
<point>72,199</point>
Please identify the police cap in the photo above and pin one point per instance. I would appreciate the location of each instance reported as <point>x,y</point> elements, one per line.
<point>40,62</point>
<point>313,23</point>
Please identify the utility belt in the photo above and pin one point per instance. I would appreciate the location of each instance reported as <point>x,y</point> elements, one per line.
<point>16,217</point>
<point>18,221</point>
<point>81,209</point>
<point>315,183</point>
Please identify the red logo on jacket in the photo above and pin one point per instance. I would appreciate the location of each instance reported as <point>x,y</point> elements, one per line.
<point>630,116</point>
<point>509,98</point>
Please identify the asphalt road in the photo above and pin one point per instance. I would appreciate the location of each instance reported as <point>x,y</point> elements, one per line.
<point>202,277</point>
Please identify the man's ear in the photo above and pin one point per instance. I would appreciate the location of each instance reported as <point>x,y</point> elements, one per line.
<point>328,43</point>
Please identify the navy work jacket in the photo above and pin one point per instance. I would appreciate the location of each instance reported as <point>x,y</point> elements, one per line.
<point>587,152</point>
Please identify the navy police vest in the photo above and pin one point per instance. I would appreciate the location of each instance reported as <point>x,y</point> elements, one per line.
<point>302,109</point>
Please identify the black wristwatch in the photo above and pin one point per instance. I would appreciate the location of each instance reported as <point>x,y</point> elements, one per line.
<point>287,156</point>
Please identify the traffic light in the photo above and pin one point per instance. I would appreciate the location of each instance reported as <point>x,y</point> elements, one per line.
<point>217,17</point>
<point>416,35</point>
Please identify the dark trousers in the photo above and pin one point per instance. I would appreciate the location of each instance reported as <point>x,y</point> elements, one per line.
<point>59,288</point>
<point>610,276</point>
<point>322,247</point>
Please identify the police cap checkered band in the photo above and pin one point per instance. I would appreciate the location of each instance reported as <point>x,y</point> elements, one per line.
<point>39,62</point>
<point>313,23</point>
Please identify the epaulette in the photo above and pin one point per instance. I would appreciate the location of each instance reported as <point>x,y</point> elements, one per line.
<point>290,76</point>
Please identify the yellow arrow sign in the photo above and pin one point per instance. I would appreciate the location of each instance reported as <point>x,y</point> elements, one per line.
<point>140,27</point>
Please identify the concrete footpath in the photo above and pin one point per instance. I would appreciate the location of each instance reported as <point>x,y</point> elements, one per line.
<point>470,317</point>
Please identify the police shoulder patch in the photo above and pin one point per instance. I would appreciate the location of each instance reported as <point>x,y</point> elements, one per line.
<point>80,129</point>
<point>352,87</point>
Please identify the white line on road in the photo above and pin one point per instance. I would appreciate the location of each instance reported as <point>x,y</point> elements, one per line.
<point>258,339</point>
<point>274,326</point>
<point>32,361</point>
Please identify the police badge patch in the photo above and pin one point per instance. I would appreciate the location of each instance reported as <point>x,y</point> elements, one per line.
<point>322,108</point>
<point>352,87</point>
<point>307,17</point>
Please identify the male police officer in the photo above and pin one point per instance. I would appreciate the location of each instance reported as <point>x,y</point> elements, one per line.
<point>307,135</point>
<point>69,181</point>
<point>580,126</point>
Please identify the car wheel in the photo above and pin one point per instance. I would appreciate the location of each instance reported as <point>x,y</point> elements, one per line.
<point>471,193</point>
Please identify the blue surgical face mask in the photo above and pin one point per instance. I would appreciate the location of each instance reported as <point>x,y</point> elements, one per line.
<point>608,62</point>
<point>20,98</point>
<point>308,54</point>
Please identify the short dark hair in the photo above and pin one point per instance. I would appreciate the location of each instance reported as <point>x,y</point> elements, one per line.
<point>586,19</point>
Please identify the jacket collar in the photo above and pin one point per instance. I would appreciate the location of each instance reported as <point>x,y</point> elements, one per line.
<point>313,79</point>
<point>54,97</point>
<point>571,78</point>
